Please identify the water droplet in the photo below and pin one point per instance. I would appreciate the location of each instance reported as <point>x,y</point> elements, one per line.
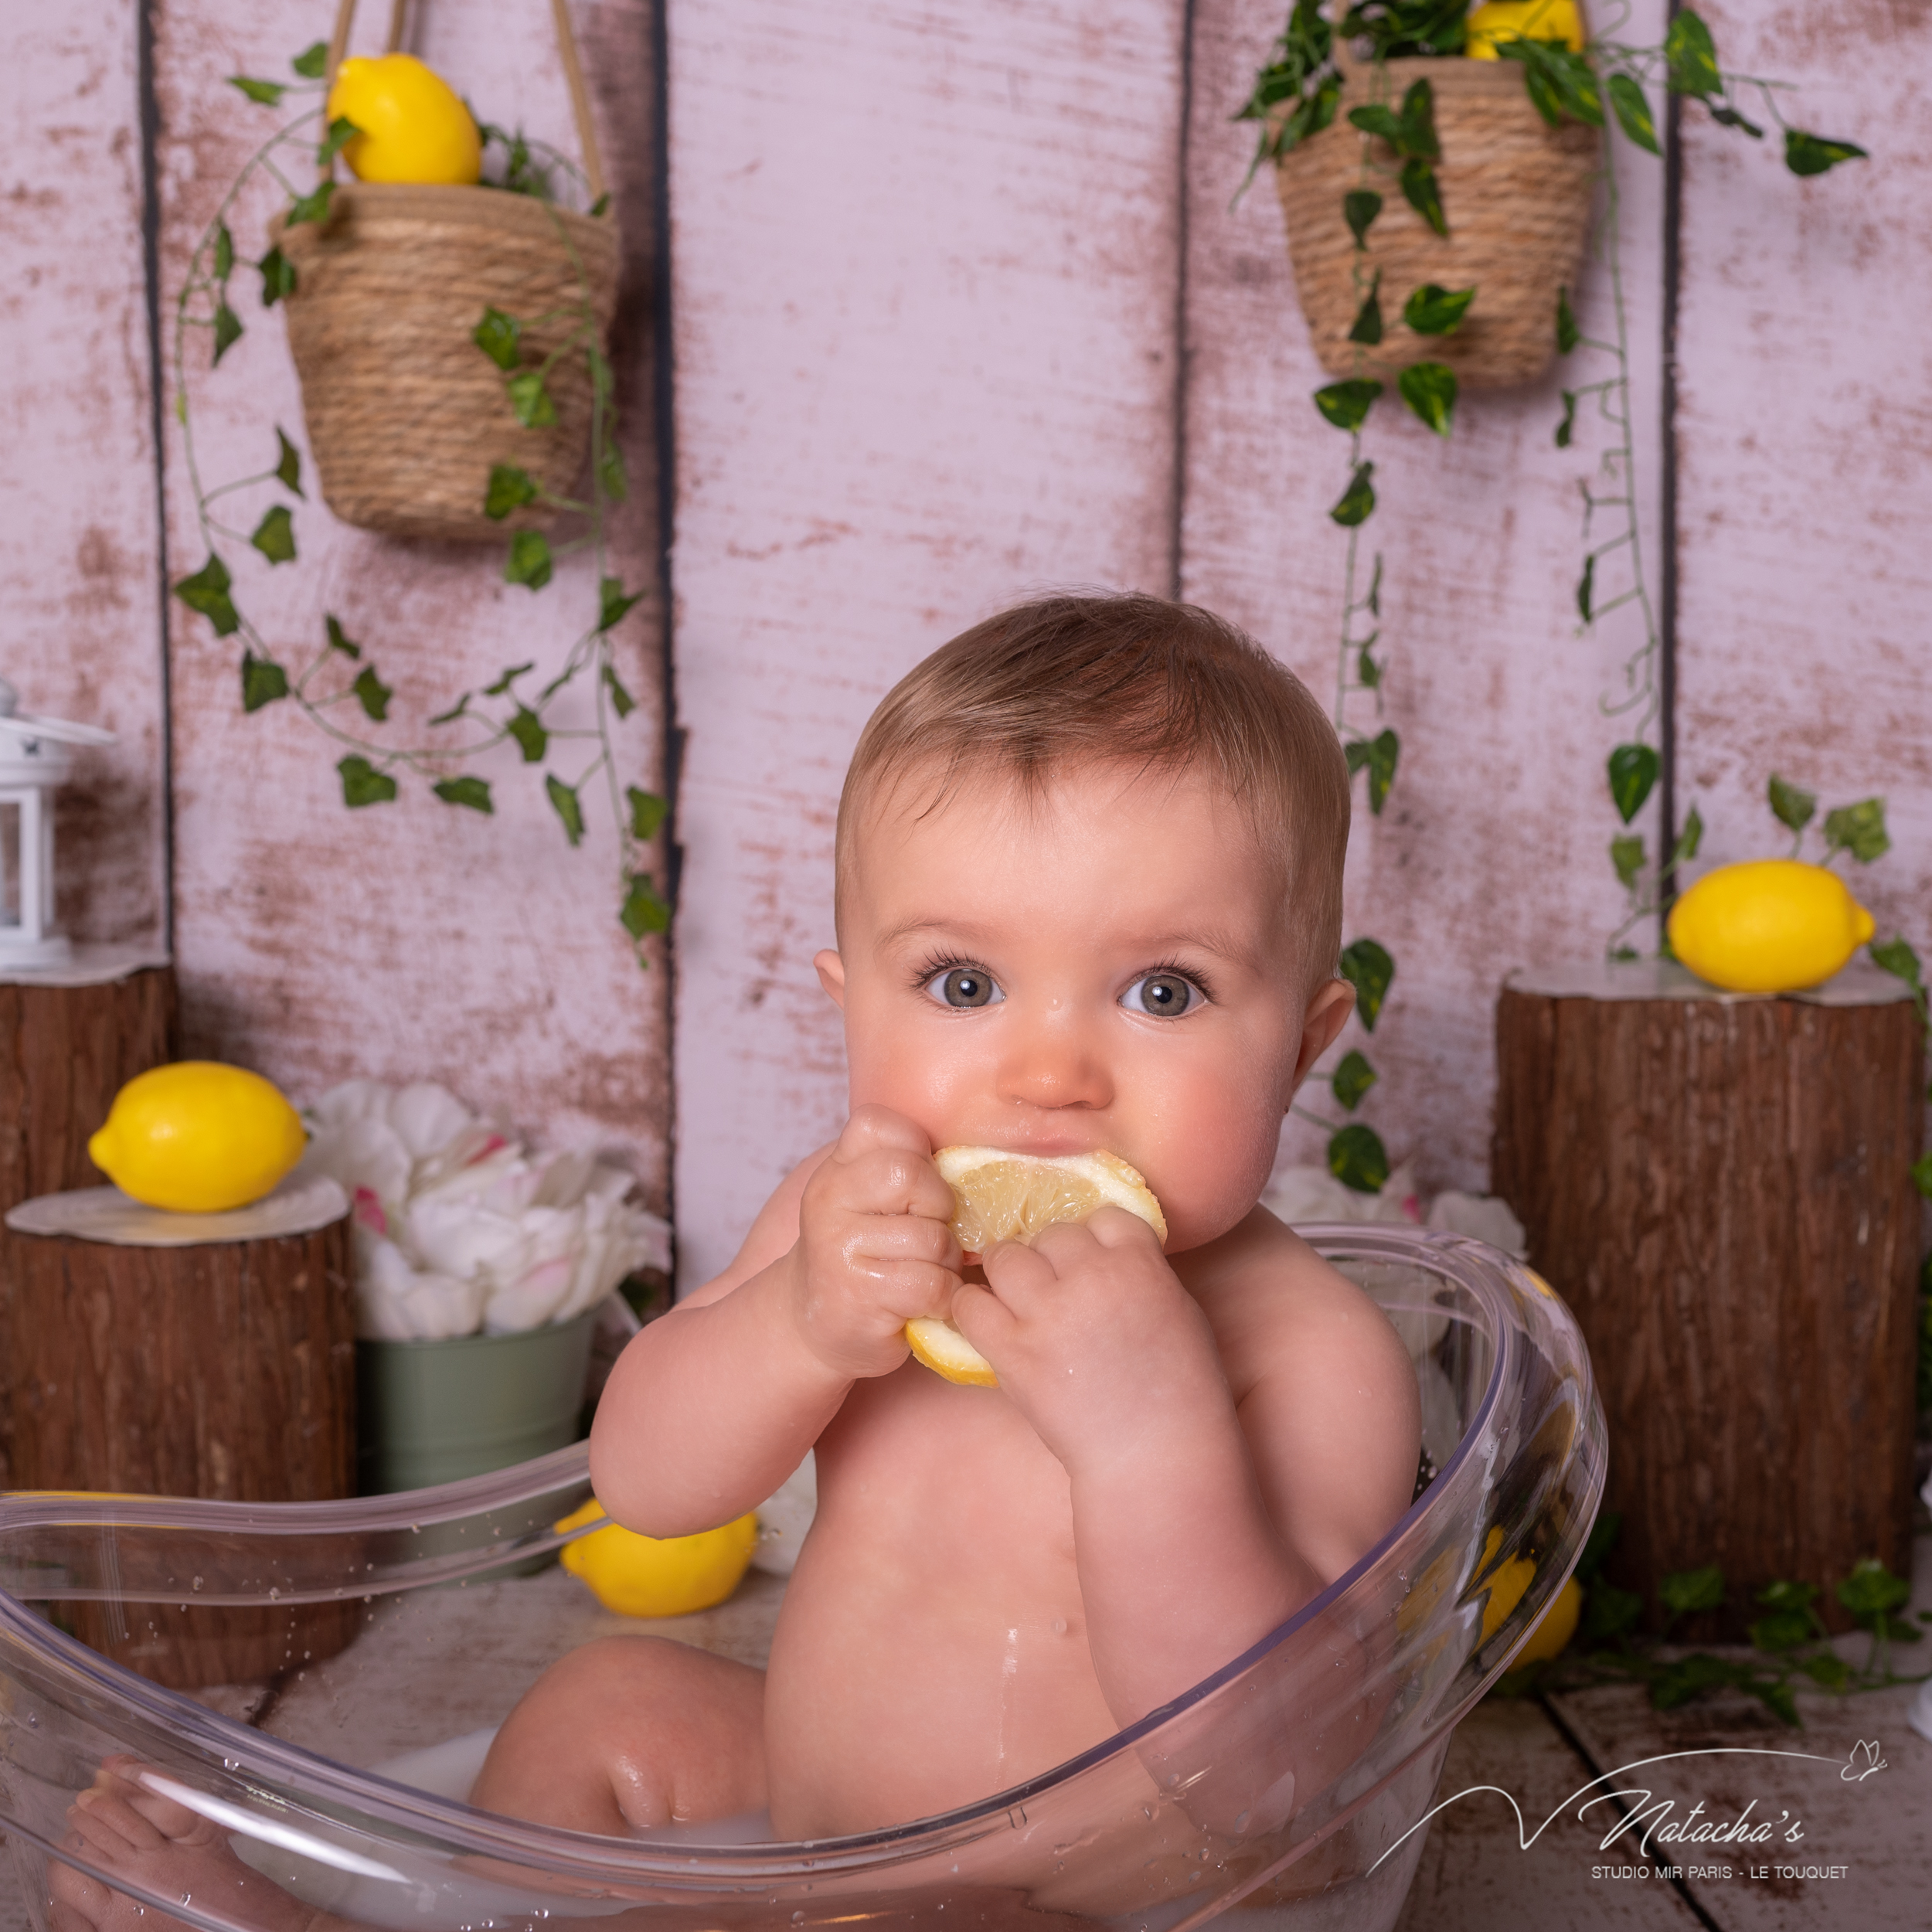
<point>33,1720</point>
<point>1241,1822</point>
<point>187,1898</point>
<point>798,1918</point>
<point>274,1595</point>
<point>1059,1626</point>
<point>196,1584</point>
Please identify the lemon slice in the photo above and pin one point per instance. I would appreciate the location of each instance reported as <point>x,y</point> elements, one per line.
<point>1001,1196</point>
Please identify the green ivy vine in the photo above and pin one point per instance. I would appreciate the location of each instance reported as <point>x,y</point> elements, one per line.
<point>336,684</point>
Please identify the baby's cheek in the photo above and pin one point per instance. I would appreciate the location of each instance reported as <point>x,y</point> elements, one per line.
<point>1215,1165</point>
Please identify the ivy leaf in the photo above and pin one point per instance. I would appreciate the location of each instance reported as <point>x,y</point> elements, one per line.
<point>499,336</point>
<point>1379,119</point>
<point>1356,503</point>
<point>1566,428</point>
<point>473,792</point>
<point>648,812</point>
<point>372,693</point>
<point>563,798</point>
<point>612,601</point>
<point>1691,57</point>
<point>530,400</point>
<point>1351,1080</point>
<point>1872,1591</point>
<point>529,560</point>
<point>1586,588</point>
<point>1568,334</point>
<point>643,911</point>
<point>527,729</point>
<point>1730,117</point>
<point>610,475</point>
<point>1792,807</point>
<point>1609,1612</point>
<point>288,471</point>
<point>341,131</point>
<point>363,784</point>
<point>1633,772</point>
<point>1684,1592</point>
<point>1419,140</point>
<point>1373,600</point>
<point>275,535</point>
<point>1626,855</point>
<point>460,709</point>
<point>1384,749</point>
<point>1346,405</point>
<point>510,489</point>
<point>1897,957</point>
<point>1433,310</point>
<point>621,701</point>
<point>1429,389</point>
<point>1827,1668</point>
<point>1368,672</point>
<point>510,675</point>
<point>1687,841</point>
<point>1358,1159</point>
<point>1922,1175</point>
<point>601,205</point>
<point>340,639</point>
<point>1633,112</point>
<point>262,681</point>
<point>1858,829</point>
<point>1359,208</point>
<point>1368,318</point>
<point>1366,966</point>
<point>264,93</point>
<point>313,207</point>
<point>207,592</point>
<point>312,62</point>
<point>278,276</point>
<point>1423,193</point>
<point>228,330</point>
<point>1813,155</point>
<point>224,252</point>
<point>1782,1630</point>
<point>1312,113</point>
<point>1781,1595</point>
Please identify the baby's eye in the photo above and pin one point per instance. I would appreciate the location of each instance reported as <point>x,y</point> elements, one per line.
<point>1165,996</point>
<point>963,986</point>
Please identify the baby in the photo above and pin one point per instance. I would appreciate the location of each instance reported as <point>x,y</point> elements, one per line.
<point>1088,898</point>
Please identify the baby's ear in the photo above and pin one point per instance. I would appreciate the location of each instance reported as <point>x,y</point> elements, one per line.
<point>831,976</point>
<point>1327,1013</point>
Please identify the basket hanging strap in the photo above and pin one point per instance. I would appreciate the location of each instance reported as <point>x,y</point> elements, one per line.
<point>566,45</point>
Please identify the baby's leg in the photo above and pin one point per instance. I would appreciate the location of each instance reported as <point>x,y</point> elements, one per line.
<point>628,1733</point>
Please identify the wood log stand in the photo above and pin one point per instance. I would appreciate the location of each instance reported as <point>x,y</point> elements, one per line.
<point>1721,1191</point>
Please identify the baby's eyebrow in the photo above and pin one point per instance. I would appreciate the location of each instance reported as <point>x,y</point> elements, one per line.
<point>1214,940</point>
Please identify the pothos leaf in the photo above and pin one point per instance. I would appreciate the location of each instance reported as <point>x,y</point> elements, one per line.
<point>563,801</point>
<point>1813,155</point>
<point>1685,1591</point>
<point>363,784</point>
<point>621,701</point>
<point>528,562</point>
<point>1358,1159</point>
<point>312,62</point>
<point>1633,112</point>
<point>1351,1080</point>
<point>1429,389</point>
<point>1633,774</point>
<point>1377,118</point>
<point>527,729</point>
<point>610,475</point>
<point>342,130</point>
<point>1419,140</point>
<point>262,681</point>
<point>1567,427</point>
<point>1691,57</point>
<point>1626,855</point>
<point>1858,829</point>
<point>1384,750</point>
<point>264,93</point>
<point>473,792</point>
<point>1897,957</point>
<point>228,329</point>
<point>1359,208</point>
<point>1872,1588</point>
<point>499,337</point>
<point>1730,117</point>
<point>648,812</point>
<point>531,401</point>
<point>278,276</point>
<point>339,639</point>
<point>613,602</point>
<point>1433,310</point>
<point>1791,807</point>
<point>224,252</point>
<point>207,592</point>
<point>372,694</point>
<point>1568,334</point>
<point>1368,672</point>
<point>643,911</point>
<point>313,207</point>
<point>275,535</point>
<point>1347,404</point>
<point>1356,503</point>
<point>1368,320</point>
<point>1687,840</point>
<point>1423,193</point>
<point>510,488</point>
<point>288,469</point>
<point>1367,967</point>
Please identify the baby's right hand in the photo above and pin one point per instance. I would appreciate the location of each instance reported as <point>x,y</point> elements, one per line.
<point>874,1246</point>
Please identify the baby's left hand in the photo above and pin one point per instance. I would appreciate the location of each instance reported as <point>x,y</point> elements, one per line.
<point>1094,1338</point>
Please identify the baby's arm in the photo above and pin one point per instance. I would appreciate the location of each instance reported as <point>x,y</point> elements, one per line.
<point>712,1406</point>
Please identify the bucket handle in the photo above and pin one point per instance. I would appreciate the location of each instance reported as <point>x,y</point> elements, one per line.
<point>566,45</point>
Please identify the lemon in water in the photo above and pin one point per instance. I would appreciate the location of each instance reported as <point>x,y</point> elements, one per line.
<point>658,1576</point>
<point>414,125</point>
<point>1767,926</point>
<point>198,1137</point>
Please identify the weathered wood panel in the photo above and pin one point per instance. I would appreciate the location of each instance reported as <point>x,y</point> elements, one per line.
<point>77,510</point>
<point>413,939</point>
<point>925,292</point>
<point>1805,445</point>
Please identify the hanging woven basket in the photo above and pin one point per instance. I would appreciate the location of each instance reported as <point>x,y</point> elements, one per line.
<point>407,416</point>
<point>1516,193</point>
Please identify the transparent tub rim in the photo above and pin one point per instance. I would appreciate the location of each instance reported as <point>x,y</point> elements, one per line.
<point>1486,1274</point>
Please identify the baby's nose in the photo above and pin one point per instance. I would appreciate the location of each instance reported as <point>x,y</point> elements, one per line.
<point>1055,1065</point>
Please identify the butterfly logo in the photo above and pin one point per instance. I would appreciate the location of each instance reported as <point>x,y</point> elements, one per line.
<point>1864,1760</point>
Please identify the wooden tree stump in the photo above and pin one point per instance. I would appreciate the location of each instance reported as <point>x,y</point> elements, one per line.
<point>1719,1187</point>
<point>223,1369</point>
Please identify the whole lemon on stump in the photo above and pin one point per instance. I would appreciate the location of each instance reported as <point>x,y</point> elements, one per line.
<point>414,127</point>
<point>198,1137</point>
<point>1523,20</point>
<point>1767,926</point>
<point>658,1576</point>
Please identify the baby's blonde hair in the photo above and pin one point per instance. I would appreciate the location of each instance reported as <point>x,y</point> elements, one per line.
<point>1072,681</point>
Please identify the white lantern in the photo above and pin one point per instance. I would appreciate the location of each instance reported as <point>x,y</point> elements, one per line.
<point>34,758</point>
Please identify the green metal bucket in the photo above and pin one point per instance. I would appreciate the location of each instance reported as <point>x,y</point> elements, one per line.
<point>434,1412</point>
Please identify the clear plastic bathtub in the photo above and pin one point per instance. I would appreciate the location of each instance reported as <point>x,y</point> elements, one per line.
<point>1286,1785</point>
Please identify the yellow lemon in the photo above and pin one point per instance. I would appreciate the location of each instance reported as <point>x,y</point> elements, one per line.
<point>1523,20</point>
<point>198,1137</point>
<point>1767,926</point>
<point>658,1576</point>
<point>1505,1584</point>
<point>414,125</point>
<point>1000,1196</point>
<point>1554,1628</point>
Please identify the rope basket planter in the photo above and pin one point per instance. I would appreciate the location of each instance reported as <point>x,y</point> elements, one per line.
<point>1517,194</point>
<point>407,416</point>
